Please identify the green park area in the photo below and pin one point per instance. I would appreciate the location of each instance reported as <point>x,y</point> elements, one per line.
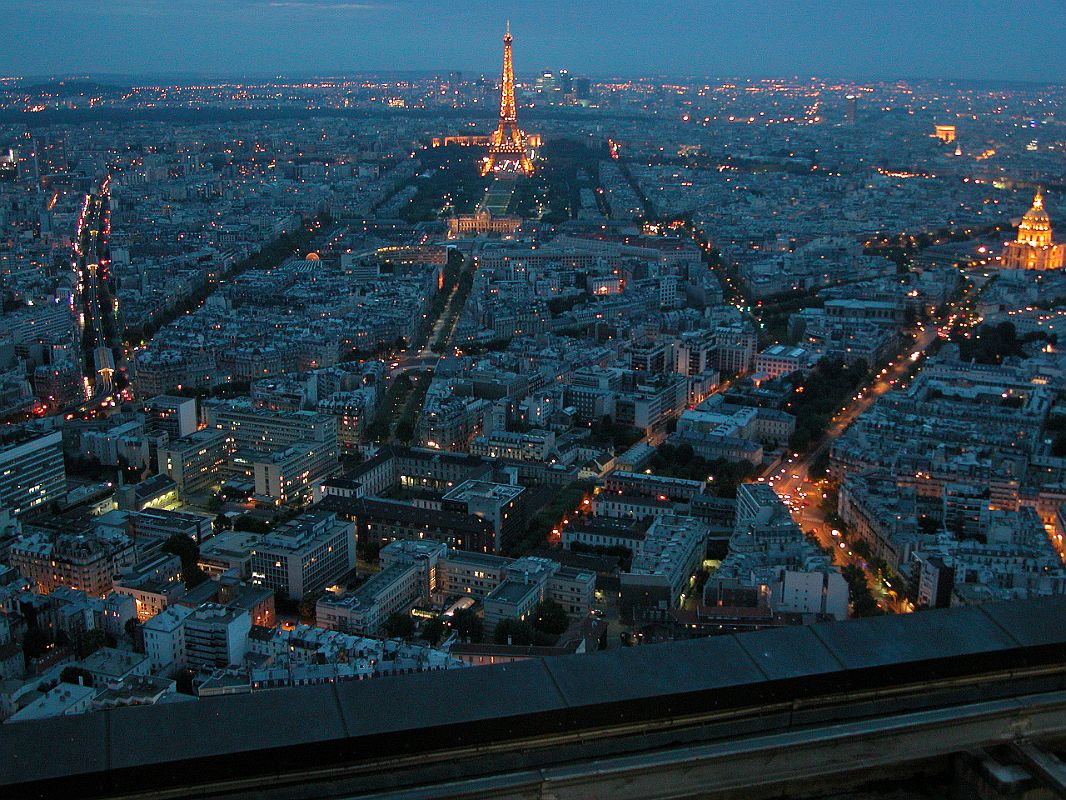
<point>565,167</point>
<point>449,182</point>
<point>498,197</point>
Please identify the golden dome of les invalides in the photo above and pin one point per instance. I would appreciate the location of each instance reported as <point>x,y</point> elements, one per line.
<point>1034,248</point>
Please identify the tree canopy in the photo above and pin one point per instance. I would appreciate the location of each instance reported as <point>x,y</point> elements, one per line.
<point>399,625</point>
<point>550,618</point>
<point>188,551</point>
<point>513,631</point>
<point>433,631</point>
<point>468,624</point>
<point>76,675</point>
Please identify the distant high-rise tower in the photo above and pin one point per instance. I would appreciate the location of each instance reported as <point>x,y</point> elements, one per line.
<point>1034,248</point>
<point>849,111</point>
<point>9,166</point>
<point>566,83</point>
<point>546,82</point>
<point>508,148</point>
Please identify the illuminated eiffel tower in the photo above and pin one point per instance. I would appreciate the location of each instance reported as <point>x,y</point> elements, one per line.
<point>508,148</point>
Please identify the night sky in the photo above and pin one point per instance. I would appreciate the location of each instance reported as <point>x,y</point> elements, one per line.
<point>857,39</point>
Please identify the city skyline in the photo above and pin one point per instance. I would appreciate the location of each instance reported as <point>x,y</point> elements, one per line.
<point>455,409</point>
<point>906,40</point>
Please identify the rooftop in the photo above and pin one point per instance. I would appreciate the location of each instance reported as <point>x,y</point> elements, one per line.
<point>107,661</point>
<point>484,490</point>
<point>55,702</point>
<point>512,592</point>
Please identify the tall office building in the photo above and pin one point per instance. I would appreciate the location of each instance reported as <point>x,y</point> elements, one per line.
<point>194,462</point>
<point>216,636</point>
<point>31,470</point>
<point>305,555</point>
<point>546,82</point>
<point>850,108</point>
<point>174,415</point>
<point>9,167</point>
<point>566,83</point>
<point>286,476</point>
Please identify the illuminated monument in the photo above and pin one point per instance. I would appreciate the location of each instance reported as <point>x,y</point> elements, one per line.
<point>1034,249</point>
<point>508,145</point>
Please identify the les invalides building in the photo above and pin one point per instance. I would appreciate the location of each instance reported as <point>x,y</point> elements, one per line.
<point>1034,248</point>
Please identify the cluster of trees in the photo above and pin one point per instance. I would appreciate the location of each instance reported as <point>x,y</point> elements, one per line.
<point>775,313</point>
<point>434,631</point>
<point>876,563</point>
<point>246,522</point>
<point>990,344</point>
<point>577,331</point>
<point>616,434</point>
<point>380,348</point>
<point>83,466</point>
<point>405,427</point>
<point>1056,428</point>
<point>568,164</point>
<point>465,283</point>
<point>188,551</point>
<point>453,270</point>
<point>900,250</point>
<point>862,599</point>
<point>402,403</point>
<point>453,180</point>
<point>529,195</point>
<point>396,395</point>
<point>904,244</point>
<point>560,305</point>
<point>228,390</point>
<point>465,622</point>
<point>542,629</point>
<point>405,431</point>
<point>304,608</point>
<point>681,461</point>
<point>368,550</point>
<point>480,348</point>
<point>399,625</point>
<point>468,624</point>
<point>536,533</point>
<point>76,675</point>
<point>826,388</point>
<point>37,639</point>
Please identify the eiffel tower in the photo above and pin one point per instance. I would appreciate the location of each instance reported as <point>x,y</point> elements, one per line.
<point>508,149</point>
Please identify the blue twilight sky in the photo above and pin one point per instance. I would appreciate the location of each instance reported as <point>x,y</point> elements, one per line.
<point>969,39</point>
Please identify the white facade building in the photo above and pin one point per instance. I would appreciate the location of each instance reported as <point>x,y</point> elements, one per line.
<point>164,638</point>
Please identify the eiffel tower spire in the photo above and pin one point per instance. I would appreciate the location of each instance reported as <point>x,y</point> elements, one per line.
<point>508,149</point>
<point>508,113</point>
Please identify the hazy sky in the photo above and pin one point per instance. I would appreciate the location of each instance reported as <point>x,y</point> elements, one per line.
<point>980,39</point>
